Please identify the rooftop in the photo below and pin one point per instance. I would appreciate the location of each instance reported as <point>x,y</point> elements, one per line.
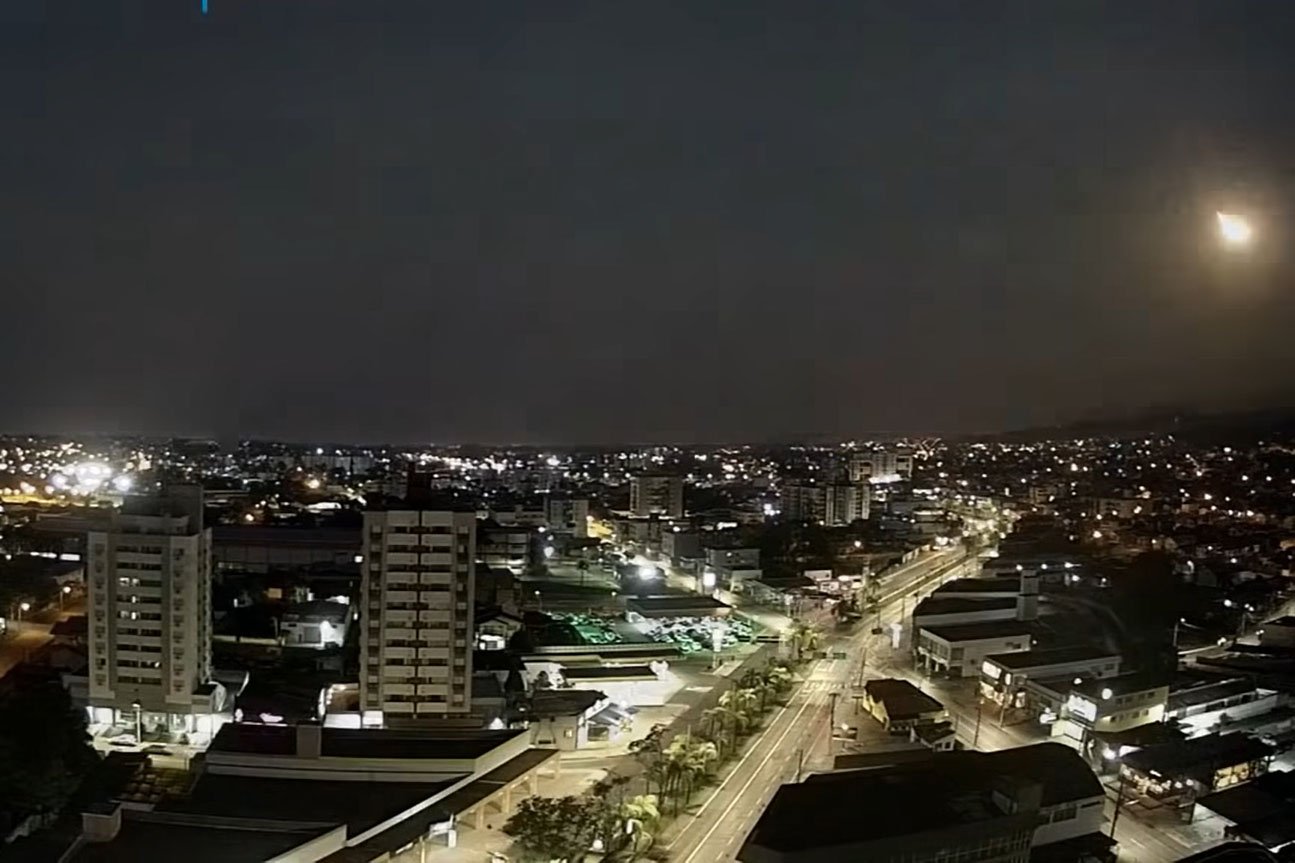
<point>1027,659</point>
<point>955,632</point>
<point>148,837</point>
<point>432,744</point>
<point>934,605</point>
<point>996,584</point>
<point>940,790</point>
<point>675,603</point>
<point>1121,684</point>
<point>564,702</point>
<point>1199,754</point>
<point>901,699</point>
<point>331,801</point>
<point>608,672</point>
<point>1208,692</point>
<point>1263,808</point>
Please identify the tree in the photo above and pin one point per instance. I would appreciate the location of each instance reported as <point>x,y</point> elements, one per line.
<point>45,751</point>
<point>804,638</point>
<point>556,828</point>
<point>647,751</point>
<point>686,761</point>
<point>639,816</point>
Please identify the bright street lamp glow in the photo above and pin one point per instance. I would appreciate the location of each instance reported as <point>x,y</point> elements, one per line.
<point>1234,229</point>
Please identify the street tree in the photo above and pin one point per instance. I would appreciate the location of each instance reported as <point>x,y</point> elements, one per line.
<point>556,828</point>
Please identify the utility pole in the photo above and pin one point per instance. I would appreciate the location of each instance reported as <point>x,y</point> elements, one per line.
<point>800,763</point>
<point>1119,801</point>
<point>975,737</point>
<point>831,721</point>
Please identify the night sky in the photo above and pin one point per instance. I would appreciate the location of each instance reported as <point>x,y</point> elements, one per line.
<point>552,222</point>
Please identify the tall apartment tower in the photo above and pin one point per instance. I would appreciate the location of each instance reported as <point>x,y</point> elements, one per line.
<point>417,594</point>
<point>880,465</point>
<point>149,609</point>
<point>656,494</point>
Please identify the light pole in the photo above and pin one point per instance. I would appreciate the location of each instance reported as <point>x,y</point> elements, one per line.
<point>23,608</point>
<point>139,722</point>
<point>62,595</point>
<point>1177,623</point>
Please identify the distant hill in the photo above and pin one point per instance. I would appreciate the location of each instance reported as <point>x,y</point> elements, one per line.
<point>1197,426</point>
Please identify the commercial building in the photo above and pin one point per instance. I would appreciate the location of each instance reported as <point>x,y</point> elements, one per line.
<point>1191,768</point>
<point>1260,810</point>
<point>959,650</point>
<point>416,610</point>
<point>943,806</point>
<point>656,494</point>
<point>1110,704</point>
<point>899,705</point>
<point>1211,704</point>
<point>1035,681</point>
<point>149,610</point>
<point>306,794</point>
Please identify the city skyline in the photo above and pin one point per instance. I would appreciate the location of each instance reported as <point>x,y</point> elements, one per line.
<point>399,222</point>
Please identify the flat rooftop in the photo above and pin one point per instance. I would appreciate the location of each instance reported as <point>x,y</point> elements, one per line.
<point>942,790</point>
<point>158,839</point>
<point>1026,659</point>
<point>360,806</point>
<point>1120,684</point>
<point>902,699</point>
<point>992,584</point>
<point>934,605</point>
<point>608,672</point>
<point>1210,692</point>
<point>419,743</point>
<point>1207,753</point>
<point>682,604</point>
<point>955,632</point>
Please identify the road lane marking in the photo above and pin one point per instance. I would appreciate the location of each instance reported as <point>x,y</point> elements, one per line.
<point>750,751</point>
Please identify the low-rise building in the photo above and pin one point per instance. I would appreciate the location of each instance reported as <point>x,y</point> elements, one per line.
<point>570,719</point>
<point>1183,771</point>
<point>1211,704</point>
<point>1110,704</point>
<point>1278,633</point>
<point>940,806</point>
<point>1004,676</point>
<point>959,650</point>
<point>899,705</point>
<point>318,624</point>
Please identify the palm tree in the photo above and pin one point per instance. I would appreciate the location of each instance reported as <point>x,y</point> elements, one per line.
<point>686,760</point>
<point>778,679</point>
<point>804,637</point>
<point>639,815</point>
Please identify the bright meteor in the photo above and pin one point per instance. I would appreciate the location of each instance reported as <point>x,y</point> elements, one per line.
<point>1234,229</point>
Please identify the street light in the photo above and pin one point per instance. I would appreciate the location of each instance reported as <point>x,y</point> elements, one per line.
<point>23,607</point>
<point>139,721</point>
<point>62,595</point>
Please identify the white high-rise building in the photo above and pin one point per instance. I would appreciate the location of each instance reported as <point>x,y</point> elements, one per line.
<point>656,494</point>
<point>149,610</point>
<point>881,465</point>
<point>416,608</point>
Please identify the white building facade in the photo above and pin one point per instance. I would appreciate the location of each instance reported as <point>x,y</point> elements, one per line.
<point>417,595</point>
<point>149,610</point>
